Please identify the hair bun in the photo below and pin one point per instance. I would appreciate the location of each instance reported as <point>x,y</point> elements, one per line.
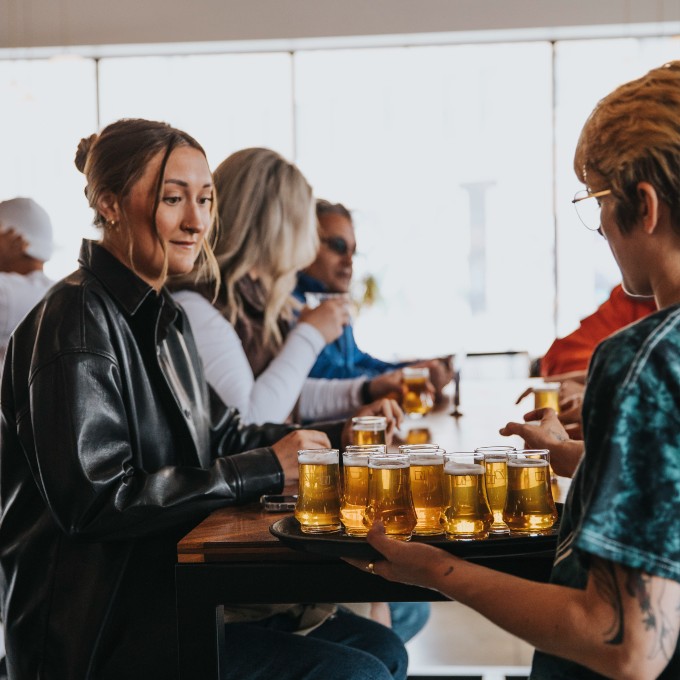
<point>83,151</point>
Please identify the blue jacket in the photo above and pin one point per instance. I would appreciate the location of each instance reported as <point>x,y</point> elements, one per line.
<point>341,358</point>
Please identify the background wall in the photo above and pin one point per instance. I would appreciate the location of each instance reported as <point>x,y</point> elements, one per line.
<point>34,23</point>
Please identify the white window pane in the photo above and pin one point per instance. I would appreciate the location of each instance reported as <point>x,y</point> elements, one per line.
<point>227,102</point>
<point>586,71</point>
<point>445,155</point>
<point>47,107</point>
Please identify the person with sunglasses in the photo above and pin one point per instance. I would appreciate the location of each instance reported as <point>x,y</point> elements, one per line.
<point>331,272</point>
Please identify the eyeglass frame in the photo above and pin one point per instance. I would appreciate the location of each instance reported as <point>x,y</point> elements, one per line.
<point>333,243</point>
<point>588,194</point>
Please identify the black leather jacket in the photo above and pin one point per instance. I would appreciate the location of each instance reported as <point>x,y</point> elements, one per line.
<point>108,456</point>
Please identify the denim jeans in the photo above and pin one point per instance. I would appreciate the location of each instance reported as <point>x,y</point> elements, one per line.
<point>409,618</point>
<point>345,647</point>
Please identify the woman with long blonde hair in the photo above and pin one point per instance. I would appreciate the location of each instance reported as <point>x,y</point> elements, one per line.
<point>259,361</point>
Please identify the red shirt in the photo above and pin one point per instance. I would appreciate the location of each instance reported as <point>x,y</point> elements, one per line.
<point>573,352</point>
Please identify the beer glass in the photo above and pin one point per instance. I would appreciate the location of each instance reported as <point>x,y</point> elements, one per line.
<point>416,400</point>
<point>369,430</point>
<point>467,515</point>
<point>496,477</point>
<point>389,495</point>
<point>426,463</point>
<point>355,487</point>
<point>547,396</point>
<point>418,435</point>
<point>318,505</point>
<point>529,505</point>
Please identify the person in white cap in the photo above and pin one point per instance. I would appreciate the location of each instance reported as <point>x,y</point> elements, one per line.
<point>25,246</point>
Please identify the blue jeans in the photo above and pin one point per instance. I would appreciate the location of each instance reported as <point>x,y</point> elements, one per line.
<point>345,647</point>
<point>409,618</point>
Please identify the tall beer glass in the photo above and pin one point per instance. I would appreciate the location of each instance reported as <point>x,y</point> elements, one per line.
<point>369,430</point>
<point>548,396</point>
<point>354,495</point>
<point>318,505</point>
<point>389,495</point>
<point>416,400</point>
<point>467,514</point>
<point>426,462</point>
<point>496,477</point>
<point>529,505</point>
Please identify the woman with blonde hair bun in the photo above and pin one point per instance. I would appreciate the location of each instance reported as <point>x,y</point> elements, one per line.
<point>109,454</point>
<point>256,344</point>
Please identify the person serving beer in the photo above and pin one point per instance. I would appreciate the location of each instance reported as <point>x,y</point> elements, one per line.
<point>612,608</point>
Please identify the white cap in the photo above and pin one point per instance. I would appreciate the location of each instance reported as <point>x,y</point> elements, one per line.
<point>27,218</point>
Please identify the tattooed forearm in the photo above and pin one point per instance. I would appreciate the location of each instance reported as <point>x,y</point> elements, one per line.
<point>607,587</point>
<point>657,615</point>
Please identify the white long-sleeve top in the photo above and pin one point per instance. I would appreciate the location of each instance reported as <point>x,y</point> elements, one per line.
<point>273,395</point>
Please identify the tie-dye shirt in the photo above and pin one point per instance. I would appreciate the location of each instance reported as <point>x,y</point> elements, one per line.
<point>624,501</point>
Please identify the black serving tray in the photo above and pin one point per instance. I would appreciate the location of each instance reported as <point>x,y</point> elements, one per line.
<point>288,531</point>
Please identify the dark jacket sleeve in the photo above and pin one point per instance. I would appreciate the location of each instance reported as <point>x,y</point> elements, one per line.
<point>104,476</point>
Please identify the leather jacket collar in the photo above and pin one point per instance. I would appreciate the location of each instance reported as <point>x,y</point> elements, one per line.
<point>126,288</point>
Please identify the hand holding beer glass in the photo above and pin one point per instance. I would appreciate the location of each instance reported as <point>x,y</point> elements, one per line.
<point>318,505</point>
<point>389,495</point>
<point>426,463</point>
<point>417,399</point>
<point>529,505</point>
<point>467,514</point>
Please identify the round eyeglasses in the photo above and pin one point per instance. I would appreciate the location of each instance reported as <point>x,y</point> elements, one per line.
<point>589,211</point>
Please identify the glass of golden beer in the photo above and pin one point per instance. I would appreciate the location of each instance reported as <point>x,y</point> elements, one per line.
<point>354,495</point>
<point>389,495</point>
<point>426,462</point>
<point>467,515</point>
<point>318,504</point>
<point>416,400</point>
<point>496,477</point>
<point>369,430</point>
<point>418,435</point>
<point>529,505</point>
<point>547,396</point>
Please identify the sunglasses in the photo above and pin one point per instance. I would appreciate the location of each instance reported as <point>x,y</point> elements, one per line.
<point>338,245</point>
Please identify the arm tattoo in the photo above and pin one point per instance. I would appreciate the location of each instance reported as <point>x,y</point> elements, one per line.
<point>604,577</point>
<point>655,618</point>
<point>448,571</point>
